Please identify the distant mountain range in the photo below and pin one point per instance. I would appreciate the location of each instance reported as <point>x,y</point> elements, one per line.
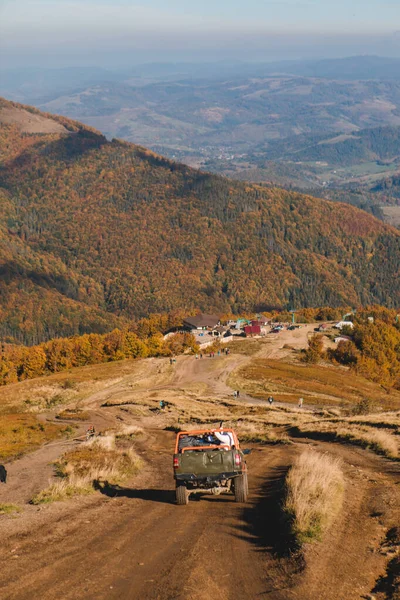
<point>30,83</point>
<point>250,121</point>
<point>95,233</point>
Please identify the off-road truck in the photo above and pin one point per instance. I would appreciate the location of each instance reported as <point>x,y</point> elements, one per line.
<point>209,461</point>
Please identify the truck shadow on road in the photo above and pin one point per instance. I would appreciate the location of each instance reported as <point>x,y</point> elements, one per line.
<point>152,495</point>
<point>263,521</point>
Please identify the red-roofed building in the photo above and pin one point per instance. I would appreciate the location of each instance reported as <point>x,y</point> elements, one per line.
<point>252,330</point>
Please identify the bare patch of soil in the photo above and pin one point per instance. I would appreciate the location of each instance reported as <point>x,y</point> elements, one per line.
<point>29,122</point>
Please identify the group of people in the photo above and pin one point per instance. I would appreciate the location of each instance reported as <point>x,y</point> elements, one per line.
<point>236,393</point>
<point>213,438</point>
<point>220,437</point>
<point>225,351</point>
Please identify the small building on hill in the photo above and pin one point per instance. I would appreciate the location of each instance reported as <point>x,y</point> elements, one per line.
<point>263,320</point>
<point>201,321</point>
<point>251,330</point>
<point>219,331</point>
<point>342,324</point>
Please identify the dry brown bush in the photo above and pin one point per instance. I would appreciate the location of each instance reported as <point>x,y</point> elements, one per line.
<point>72,414</point>
<point>315,487</point>
<point>99,459</point>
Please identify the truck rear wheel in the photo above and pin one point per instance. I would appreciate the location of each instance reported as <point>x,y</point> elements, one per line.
<point>246,484</point>
<point>241,488</point>
<point>182,496</point>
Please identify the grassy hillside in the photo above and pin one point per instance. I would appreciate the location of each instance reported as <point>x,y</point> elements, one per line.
<point>114,228</point>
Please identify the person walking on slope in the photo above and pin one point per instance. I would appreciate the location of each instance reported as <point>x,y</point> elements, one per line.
<point>90,432</point>
<point>3,474</point>
<point>270,400</point>
<point>301,400</point>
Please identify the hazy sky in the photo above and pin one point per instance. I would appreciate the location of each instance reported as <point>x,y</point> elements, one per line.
<point>123,31</point>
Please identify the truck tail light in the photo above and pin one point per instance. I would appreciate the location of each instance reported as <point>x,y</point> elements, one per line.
<point>176,462</point>
<point>238,459</point>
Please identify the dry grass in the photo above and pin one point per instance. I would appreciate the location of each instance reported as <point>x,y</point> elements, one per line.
<point>129,432</point>
<point>314,496</point>
<point>70,386</point>
<point>73,414</point>
<point>390,420</point>
<point>250,432</point>
<point>8,509</point>
<point>63,490</point>
<point>247,347</point>
<point>264,438</point>
<point>320,385</point>
<point>99,459</point>
<point>380,441</point>
<point>22,433</point>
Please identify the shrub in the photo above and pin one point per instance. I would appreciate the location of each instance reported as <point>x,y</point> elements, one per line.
<point>346,353</point>
<point>82,469</point>
<point>69,384</point>
<point>71,414</point>
<point>64,489</point>
<point>7,509</point>
<point>314,495</point>
<point>315,349</point>
<point>364,407</point>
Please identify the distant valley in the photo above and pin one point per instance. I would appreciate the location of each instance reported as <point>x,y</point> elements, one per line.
<point>323,125</point>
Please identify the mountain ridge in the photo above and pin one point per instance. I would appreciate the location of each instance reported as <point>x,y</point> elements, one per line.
<point>136,233</point>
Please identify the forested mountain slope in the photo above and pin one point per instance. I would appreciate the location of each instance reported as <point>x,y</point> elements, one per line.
<point>109,227</point>
<point>390,185</point>
<point>379,143</point>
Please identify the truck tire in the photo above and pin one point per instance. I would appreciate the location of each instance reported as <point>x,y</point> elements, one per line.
<point>241,488</point>
<point>182,496</point>
<point>246,484</point>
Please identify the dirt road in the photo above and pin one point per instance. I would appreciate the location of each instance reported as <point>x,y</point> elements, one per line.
<point>134,543</point>
<point>138,544</point>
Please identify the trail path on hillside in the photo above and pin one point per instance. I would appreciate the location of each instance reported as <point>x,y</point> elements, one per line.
<point>134,543</point>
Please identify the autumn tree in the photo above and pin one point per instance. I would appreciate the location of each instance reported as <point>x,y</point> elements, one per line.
<point>345,353</point>
<point>314,350</point>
